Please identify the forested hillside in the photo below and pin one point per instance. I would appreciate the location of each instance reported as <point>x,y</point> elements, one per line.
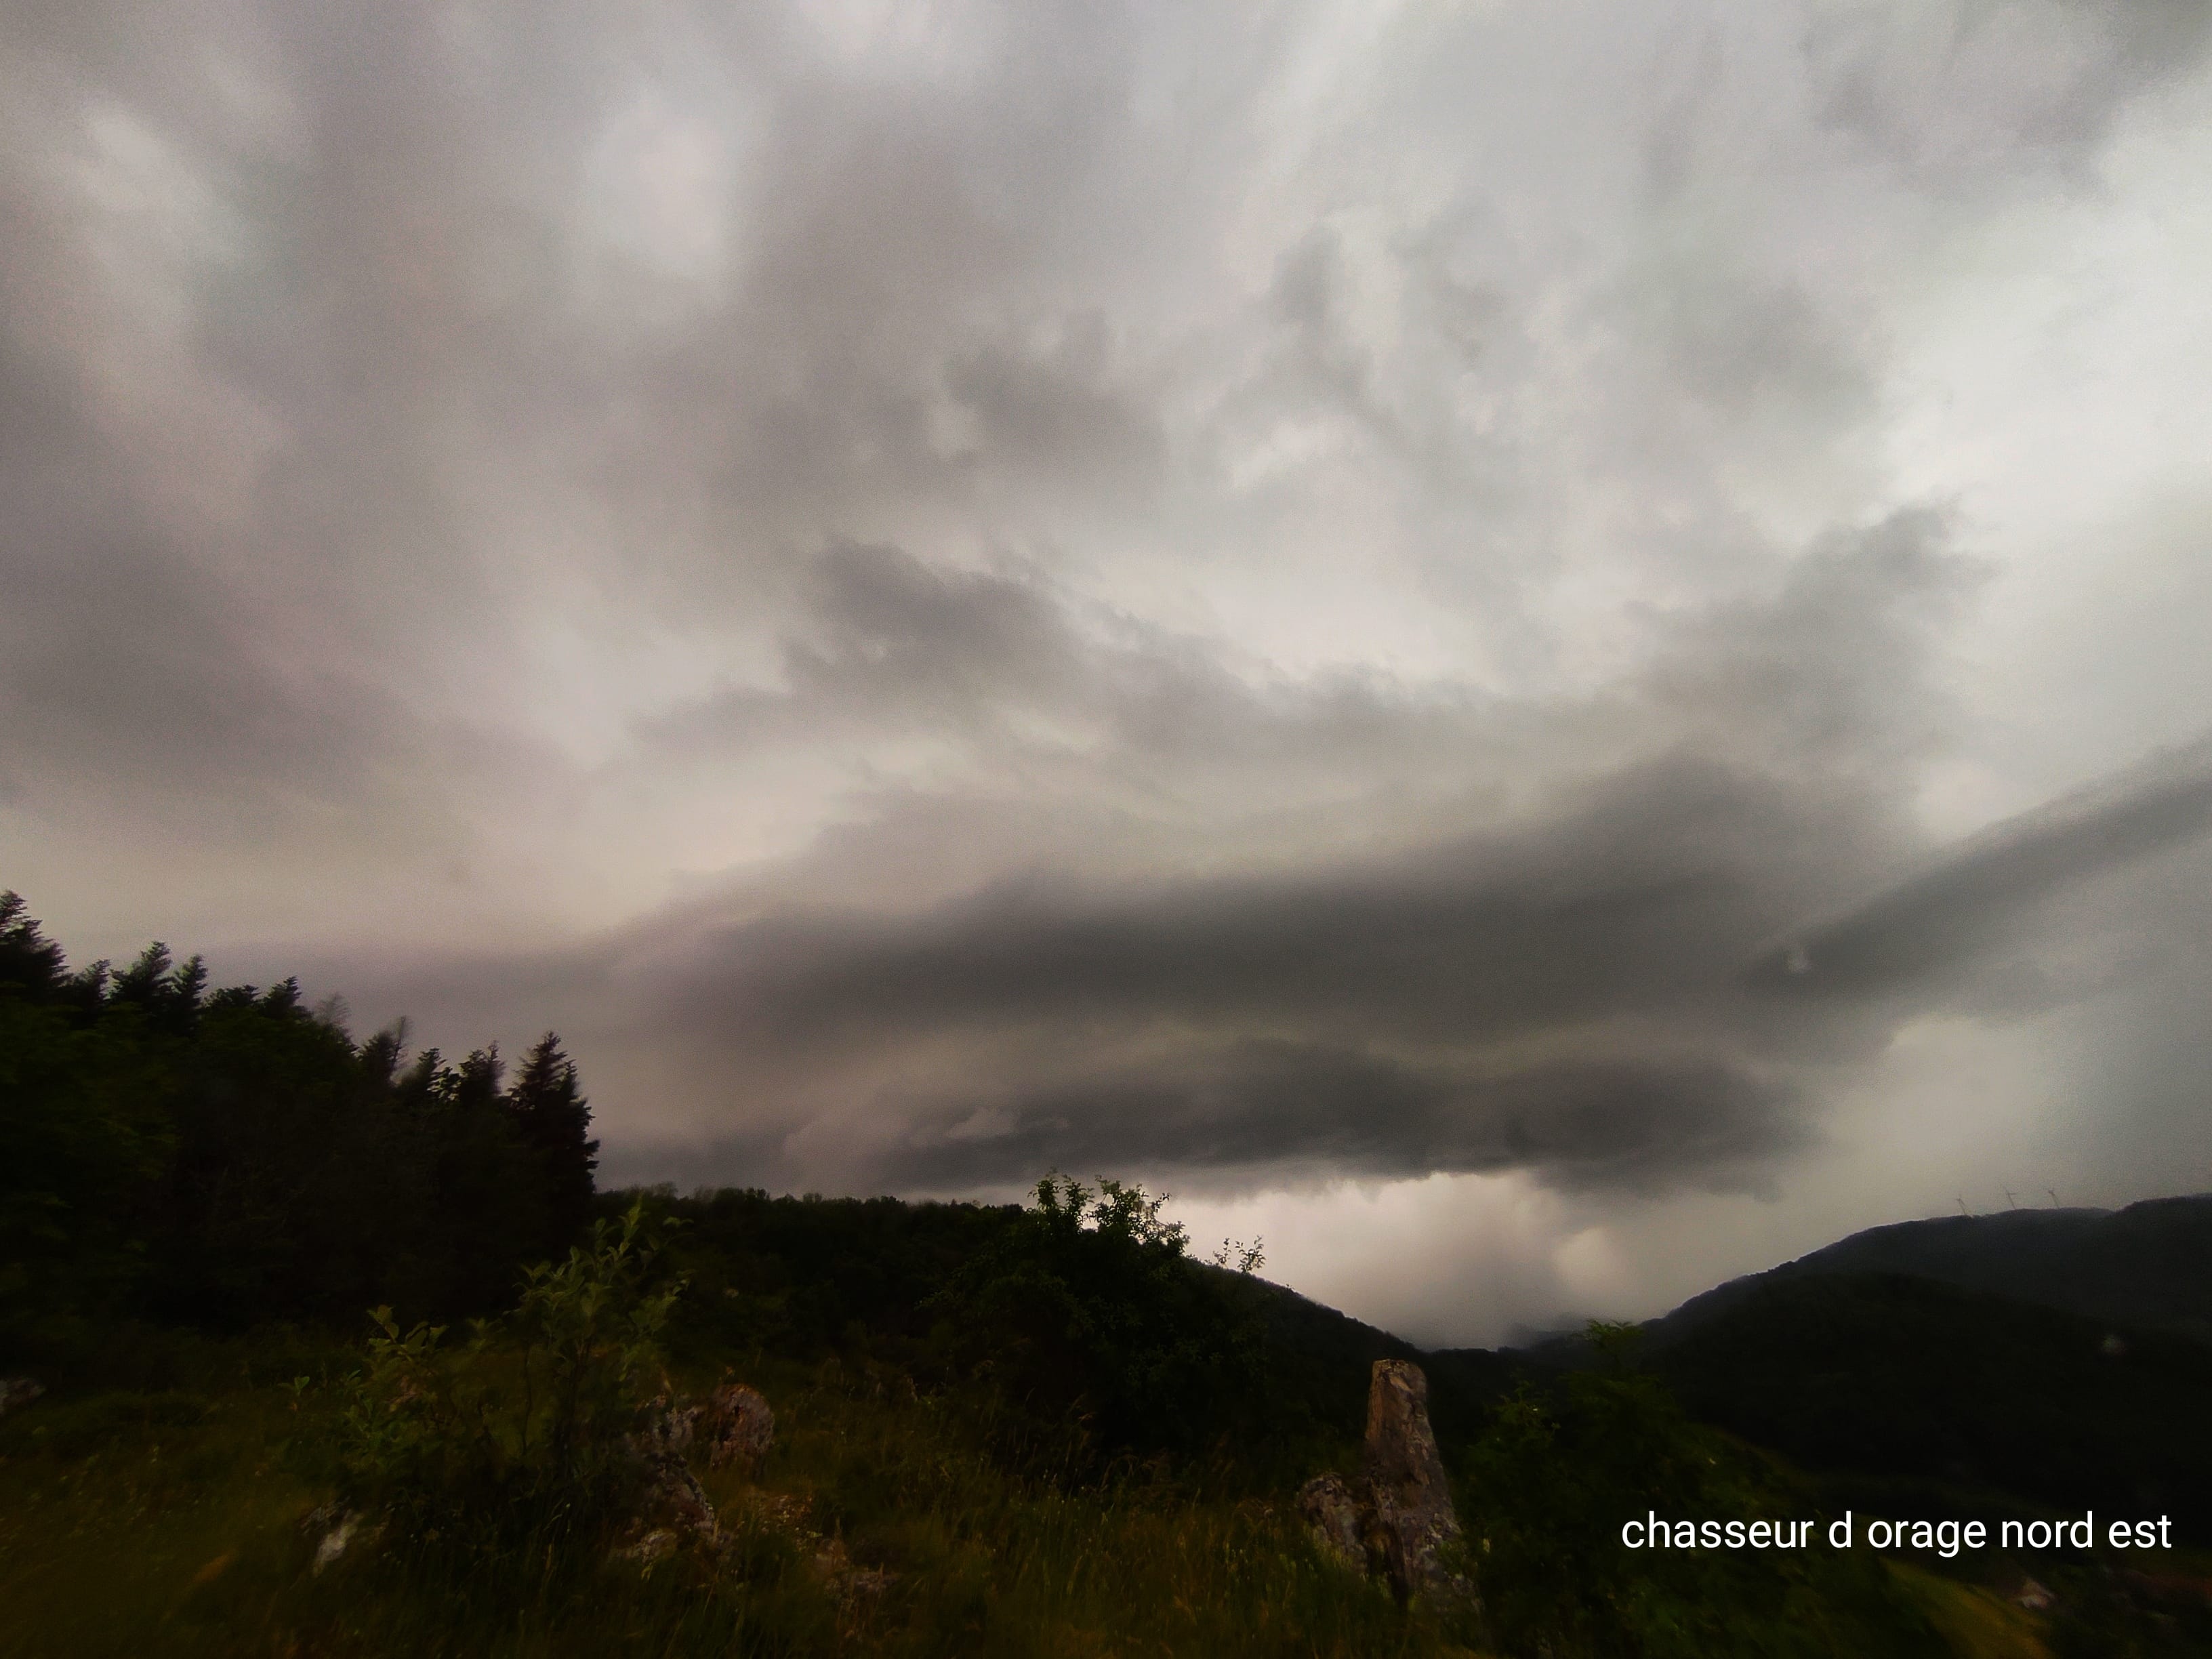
<point>2149,1264</point>
<point>226,1157</point>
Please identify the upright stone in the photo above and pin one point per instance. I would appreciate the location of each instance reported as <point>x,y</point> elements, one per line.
<point>1404,1481</point>
<point>1395,1519</point>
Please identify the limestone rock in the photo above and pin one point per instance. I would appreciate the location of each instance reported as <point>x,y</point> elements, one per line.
<point>345,1529</point>
<point>650,1551</point>
<point>16,1391</point>
<point>740,1428</point>
<point>1396,1519</point>
<point>1335,1510</point>
<point>673,1498</point>
<point>734,1426</point>
<point>1405,1481</point>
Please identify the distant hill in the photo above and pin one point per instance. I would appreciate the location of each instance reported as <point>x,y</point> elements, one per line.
<point>2059,1356</point>
<point>2148,1264</point>
<point>1882,1374</point>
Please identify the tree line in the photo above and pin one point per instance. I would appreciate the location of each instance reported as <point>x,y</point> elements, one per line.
<point>223,1157</point>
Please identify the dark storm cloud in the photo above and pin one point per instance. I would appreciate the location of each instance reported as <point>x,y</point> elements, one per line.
<point>1055,413</point>
<point>1628,902</point>
<point>1588,998</point>
<point>882,642</point>
<point>1975,900</point>
<point>1563,990</point>
<point>1301,1109</point>
<point>887,639</point>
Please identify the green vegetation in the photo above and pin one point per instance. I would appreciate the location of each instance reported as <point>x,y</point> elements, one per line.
<point>1881,1374</point>
<point>221,1160</point>
<point>1085,1317</point>
<point>1561,1467</point>
<point>1006,1430</point>
<point>117,1554</point>
<point>516,1441</point>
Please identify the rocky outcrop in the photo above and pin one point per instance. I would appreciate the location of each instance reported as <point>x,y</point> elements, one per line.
<point>336,1542</point>
<point>739,1428</point>
<point>1396,1521</point>
<point>16,1391</point>
<point>736,1428</point>
<point>672,1501</point>
<point>336,1531</point>
<point>1406,1479</point>
<point>1336,1511</point>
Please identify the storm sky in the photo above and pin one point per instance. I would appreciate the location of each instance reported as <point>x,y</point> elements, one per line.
<point>1542,653</point>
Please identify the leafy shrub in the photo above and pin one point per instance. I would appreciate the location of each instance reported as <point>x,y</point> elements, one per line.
<point>523,1431</point>
<point>1098,1331</point>
<point>1557,1473</point>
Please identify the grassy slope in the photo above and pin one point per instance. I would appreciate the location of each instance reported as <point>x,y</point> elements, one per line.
<point>136,1523</point>
<point>164,1519</point>
<point>167,1524</point>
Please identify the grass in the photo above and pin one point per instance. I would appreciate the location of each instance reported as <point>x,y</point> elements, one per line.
<point>166,1521</point>
<point>137,1523</point>
<point>1977,1623</point>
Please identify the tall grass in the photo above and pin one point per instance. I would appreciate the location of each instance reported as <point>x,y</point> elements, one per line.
<point>147,1524</point>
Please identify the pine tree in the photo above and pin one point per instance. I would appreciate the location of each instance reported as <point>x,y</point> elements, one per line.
<point>555,1121</point>
<point>30,963</point>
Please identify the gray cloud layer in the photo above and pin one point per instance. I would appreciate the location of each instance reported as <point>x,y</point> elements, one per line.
<point>1590,987</point>
<point>1265,598</point>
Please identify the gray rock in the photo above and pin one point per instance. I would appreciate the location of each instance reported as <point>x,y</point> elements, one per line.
<point>1396,1520</point>
<point>15,1391</point>
<point>1406,1480</point>
<point>1336,1513</point>
<point>348,1529</point>
<point>672,1496</point>
<point>740,1427</point>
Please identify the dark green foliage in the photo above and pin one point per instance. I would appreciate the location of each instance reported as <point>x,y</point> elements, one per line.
<point>520,1435</point>
<point>1087,1313</point>
<point>554,1122</point>
<point>2106,1611</point>
<point>1874,1373</point>
<point>31,964</point>
<point>810,1278</point>
<point>1550,1483</point>
<point>83,1139</point>
<point>226,1158</point>
<point>866,1281</point>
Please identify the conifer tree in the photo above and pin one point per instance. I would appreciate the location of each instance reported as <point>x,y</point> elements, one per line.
<point>556,1122</point>
<point>30,963</point>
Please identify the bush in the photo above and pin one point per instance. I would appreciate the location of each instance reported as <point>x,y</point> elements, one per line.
<point>524,1431</point>
<point>1100,1333</point>
<point>1560,1470</point>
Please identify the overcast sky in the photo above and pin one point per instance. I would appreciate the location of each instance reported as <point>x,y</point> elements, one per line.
<point>1543,653</point>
